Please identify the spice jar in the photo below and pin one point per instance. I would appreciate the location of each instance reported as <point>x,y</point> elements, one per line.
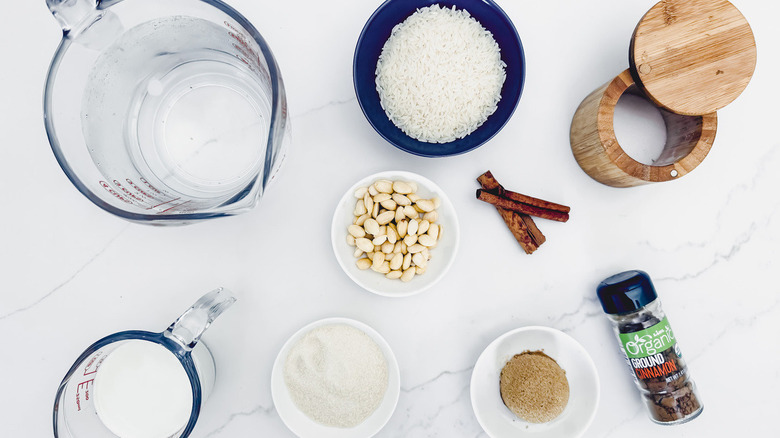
<point>650,348</point>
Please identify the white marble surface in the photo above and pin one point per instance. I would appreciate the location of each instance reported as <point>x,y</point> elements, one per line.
<point>71,273</point>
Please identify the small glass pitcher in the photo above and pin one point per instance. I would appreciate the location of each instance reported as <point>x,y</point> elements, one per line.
<point>164,111</point>
<point>76,406</point>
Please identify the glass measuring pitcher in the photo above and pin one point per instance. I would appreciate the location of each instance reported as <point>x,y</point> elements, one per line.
<point>138,384</point>
<point>164,111</point>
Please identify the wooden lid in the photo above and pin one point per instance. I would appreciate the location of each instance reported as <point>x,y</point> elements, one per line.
<point>693,57</point>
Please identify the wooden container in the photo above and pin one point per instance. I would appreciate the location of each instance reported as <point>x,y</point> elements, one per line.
<point>688,57</point>
<point>595,146</point>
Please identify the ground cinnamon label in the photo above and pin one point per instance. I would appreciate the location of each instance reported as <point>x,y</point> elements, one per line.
<point>658,367</point>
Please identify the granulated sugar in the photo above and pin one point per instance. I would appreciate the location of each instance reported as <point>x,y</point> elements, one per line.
<point>336,375</point>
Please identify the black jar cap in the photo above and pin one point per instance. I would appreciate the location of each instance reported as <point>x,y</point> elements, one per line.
<point>626,292</point>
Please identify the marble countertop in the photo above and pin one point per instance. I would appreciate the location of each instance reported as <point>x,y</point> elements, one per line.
<point>71,273</point>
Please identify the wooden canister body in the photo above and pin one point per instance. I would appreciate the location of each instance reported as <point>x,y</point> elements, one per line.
<point>596,149</point>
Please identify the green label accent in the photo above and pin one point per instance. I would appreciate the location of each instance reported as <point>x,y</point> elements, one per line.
<point>649,341</point>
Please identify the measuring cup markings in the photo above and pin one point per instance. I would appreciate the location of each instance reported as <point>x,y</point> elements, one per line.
<point>113,192</point>
<point>140,190</point>
<point>85,384</point>
<point>244,48</point>
<point>135,199</point>
<point>127,192</point>
<point>145,200</point>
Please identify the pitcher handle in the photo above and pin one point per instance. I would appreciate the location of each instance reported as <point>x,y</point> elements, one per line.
<point>189,327</point>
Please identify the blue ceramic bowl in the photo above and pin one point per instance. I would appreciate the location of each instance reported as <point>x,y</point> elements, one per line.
<point>369,46</point>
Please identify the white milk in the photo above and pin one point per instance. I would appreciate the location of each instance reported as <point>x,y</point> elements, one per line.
<point>142,391</point>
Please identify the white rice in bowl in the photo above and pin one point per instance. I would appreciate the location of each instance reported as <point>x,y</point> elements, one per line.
<point>439,75</point>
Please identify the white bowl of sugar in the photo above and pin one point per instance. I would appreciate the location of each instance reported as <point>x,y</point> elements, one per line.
<point>335,378</point>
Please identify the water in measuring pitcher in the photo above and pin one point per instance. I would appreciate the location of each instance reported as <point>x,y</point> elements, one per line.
<point>177,114</point>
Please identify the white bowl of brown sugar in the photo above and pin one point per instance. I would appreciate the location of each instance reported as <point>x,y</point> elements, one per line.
<point>535,381</point>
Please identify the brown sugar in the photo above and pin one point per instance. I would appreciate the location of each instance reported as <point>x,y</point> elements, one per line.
<point>534,387</point>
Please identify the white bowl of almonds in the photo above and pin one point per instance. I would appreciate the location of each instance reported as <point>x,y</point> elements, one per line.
<point>395,233</point>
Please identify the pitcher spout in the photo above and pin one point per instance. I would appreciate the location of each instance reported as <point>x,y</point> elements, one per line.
<point>73,14</point>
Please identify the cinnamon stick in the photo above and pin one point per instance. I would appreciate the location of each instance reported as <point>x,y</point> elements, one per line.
<point>489,183</point>
<point>520,225</point>
<point>533,230</point>
<point>520,207</point>
<point>519,229</point>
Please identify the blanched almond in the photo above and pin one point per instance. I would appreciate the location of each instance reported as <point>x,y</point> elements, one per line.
<point>378,240</point>
<point>407,262</point>
<point>425,205</point>
<point>379,258</point>
<point>414,225</point>
<point>427,240</point>
<point>364,244</point>
<point>371,226</point>
<point>396,261</point>
<point>360,208</point>
<point>394,275</point>
<point>387,248</point>
<point>363,264</point>
<point>402,226</point>
<point>402,187</point>
<point>415,248</point>
<point>360,192</point>
<point>356,231</point>
<point>384,186</point>
<point>411,212</point>
<point>362,219</point>
<point>419,260</point>
<point>423,228</point>
<point>385,218</point>
<point>392,235</point>
<point>389,205</point>
<point>408,275</point>
<point>401,199</point>
<point>382,197</point>
<point>384,269</point>
<point>431,216</point>
<point>433,231</point>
